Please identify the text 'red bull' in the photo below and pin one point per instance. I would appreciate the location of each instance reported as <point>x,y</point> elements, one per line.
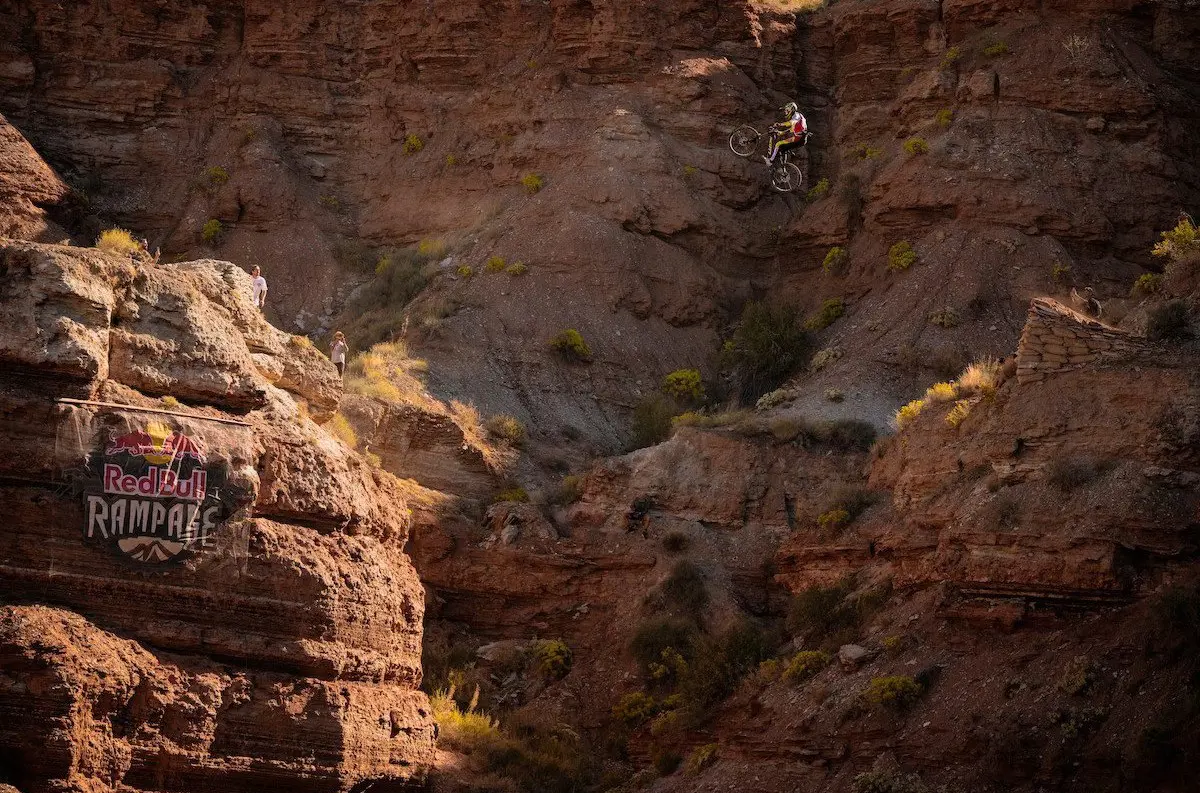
<point>158,482</point>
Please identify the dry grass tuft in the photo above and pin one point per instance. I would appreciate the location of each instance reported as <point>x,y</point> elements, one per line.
<point>117,241</point>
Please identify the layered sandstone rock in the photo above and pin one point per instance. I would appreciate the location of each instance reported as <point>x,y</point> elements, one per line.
<point>27,188</point>
<point>283,652</point>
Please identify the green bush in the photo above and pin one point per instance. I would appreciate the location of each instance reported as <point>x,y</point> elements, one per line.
<point>702,757</point>
<point>684,385</point>
<point>211,231</point>
<point>412,144</point>
<point>835,261</point>
<point>996,49</point>
<point>685,589</point>
<point>820,611</point>
<point>553,658</point>
<point>117,241</point>
<point>495,264</point>
<point>914,146</point>
<point>377,313</point>
<point>465,271</point>
<point>832,521</point>
<point>901,256</point>
<point>1147,284</point>
<point>866,152</point>
<point>656,636</point>
<point>635,708</point>
<point>451,160</point>
<point>1059,272</point>
<point>1170,321</point>
<point>216,176</point>
<point>817,191</point>
<point>516,494</point>
<point>950,57</point>
<point>805,664</point>
<point>767,346</point>
<point>834,394</point>
<point>944,117</point>
<point>718,665</point>
<point>569,344</point>
<point>532,182</point>
<point>945,317</point>
<point>329,202</point>
<point>517,268</point>
<point>568,491</point>
<point>652,421</point>
<point>894,691</point>
<point>505,428</point>
<point>830,311</point>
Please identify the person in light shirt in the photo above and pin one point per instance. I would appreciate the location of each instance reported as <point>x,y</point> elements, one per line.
<point>260,288</point>
<point>337,352</point>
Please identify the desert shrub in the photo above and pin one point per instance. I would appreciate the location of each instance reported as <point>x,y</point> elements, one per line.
<point>820,611</point>
<point>846,434</point>
<point>690,170</point>
<point>944,117</point>
<point>635,708</point>
<point>341,429</point>
<point>945,317</point>
<point>412,144</point>
<point>915,146</point>
<point>1068,473</point>
<point>377,312</point>
<point>996,49</point>
<point>216,175</point>
<point>169,402</point>
<point>516,269</point>
<point>117,241</point>
<point>431,249</point>
<point>834,394</point>
<point>568,491</point>
<point>675,542</point>
<point>532,183</point>
<point>684,385</point>
<point>906,414</point>
<point>833,520</point>
<point>817,191</point>
<point>805,664</point>
<point>373,459</point>
<point>665,759</point>
<point>1059,272</point>
<point>702,757</point>
<point>866,152</point>
<point>1147,284</point>
<point>736,419</point>
<point>767,346</point>
<point>686,589</point>
<point>658,635</point>
<point>901,256</point>
<point>981,377</point>
<point>329,202</point>
<point>1179,241</point>
<point>1169,322</point>
<point>495,264</point>
<point>941,392</point>
<point>652,421</point>
<point>892,644</point>
<point>950,57</point>
<point>717,667</point>
<point>211,230</point>
<point>959,412</point>
<point>505,428</point>
<point>894,691</point>
<point>451,160</point>
<point>835,260</point>
<point>824,358</point>
<point>516,494</point>
<point>464,729</point>
<point>830,311</point>
<point>569,344</point>
<point>1078,676</point>
<point>553,658</point>
<point>888,782</point>
<point>465,271</point>
<point>774,398</point>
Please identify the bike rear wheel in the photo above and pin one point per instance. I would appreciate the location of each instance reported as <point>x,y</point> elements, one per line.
<point>744,140</point>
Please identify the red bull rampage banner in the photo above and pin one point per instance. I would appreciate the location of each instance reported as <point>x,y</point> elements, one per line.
<point>154,496</point>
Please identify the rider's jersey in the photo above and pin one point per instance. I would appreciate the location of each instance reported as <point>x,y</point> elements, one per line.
<point>798,123</point>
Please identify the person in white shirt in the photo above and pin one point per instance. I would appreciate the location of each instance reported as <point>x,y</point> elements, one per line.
<point>260,288</point>
<point>337,351</point>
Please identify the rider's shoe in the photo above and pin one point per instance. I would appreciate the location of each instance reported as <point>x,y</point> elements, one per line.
<point>766,159</point>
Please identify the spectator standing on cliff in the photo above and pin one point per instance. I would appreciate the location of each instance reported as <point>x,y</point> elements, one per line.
<point>259,295</point>
<point>337,352</point>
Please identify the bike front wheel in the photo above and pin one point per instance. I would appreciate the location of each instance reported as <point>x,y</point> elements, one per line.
<point>786,177</point>
<point>744,140</point>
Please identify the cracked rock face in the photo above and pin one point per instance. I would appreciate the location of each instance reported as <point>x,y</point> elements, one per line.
<point>287,651</point>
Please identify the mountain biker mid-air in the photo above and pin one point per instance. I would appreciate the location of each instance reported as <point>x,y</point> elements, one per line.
<point>790,132</point>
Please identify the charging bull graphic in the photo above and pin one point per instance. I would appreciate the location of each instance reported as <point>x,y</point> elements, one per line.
<point>154,496</point>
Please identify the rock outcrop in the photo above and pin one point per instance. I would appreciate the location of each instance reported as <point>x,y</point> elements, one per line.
<point>284,649</point>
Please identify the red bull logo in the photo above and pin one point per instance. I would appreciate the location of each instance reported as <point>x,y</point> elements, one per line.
<point>158,444</point>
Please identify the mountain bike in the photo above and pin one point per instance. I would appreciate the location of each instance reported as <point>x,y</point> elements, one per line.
<point>786,176</point>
